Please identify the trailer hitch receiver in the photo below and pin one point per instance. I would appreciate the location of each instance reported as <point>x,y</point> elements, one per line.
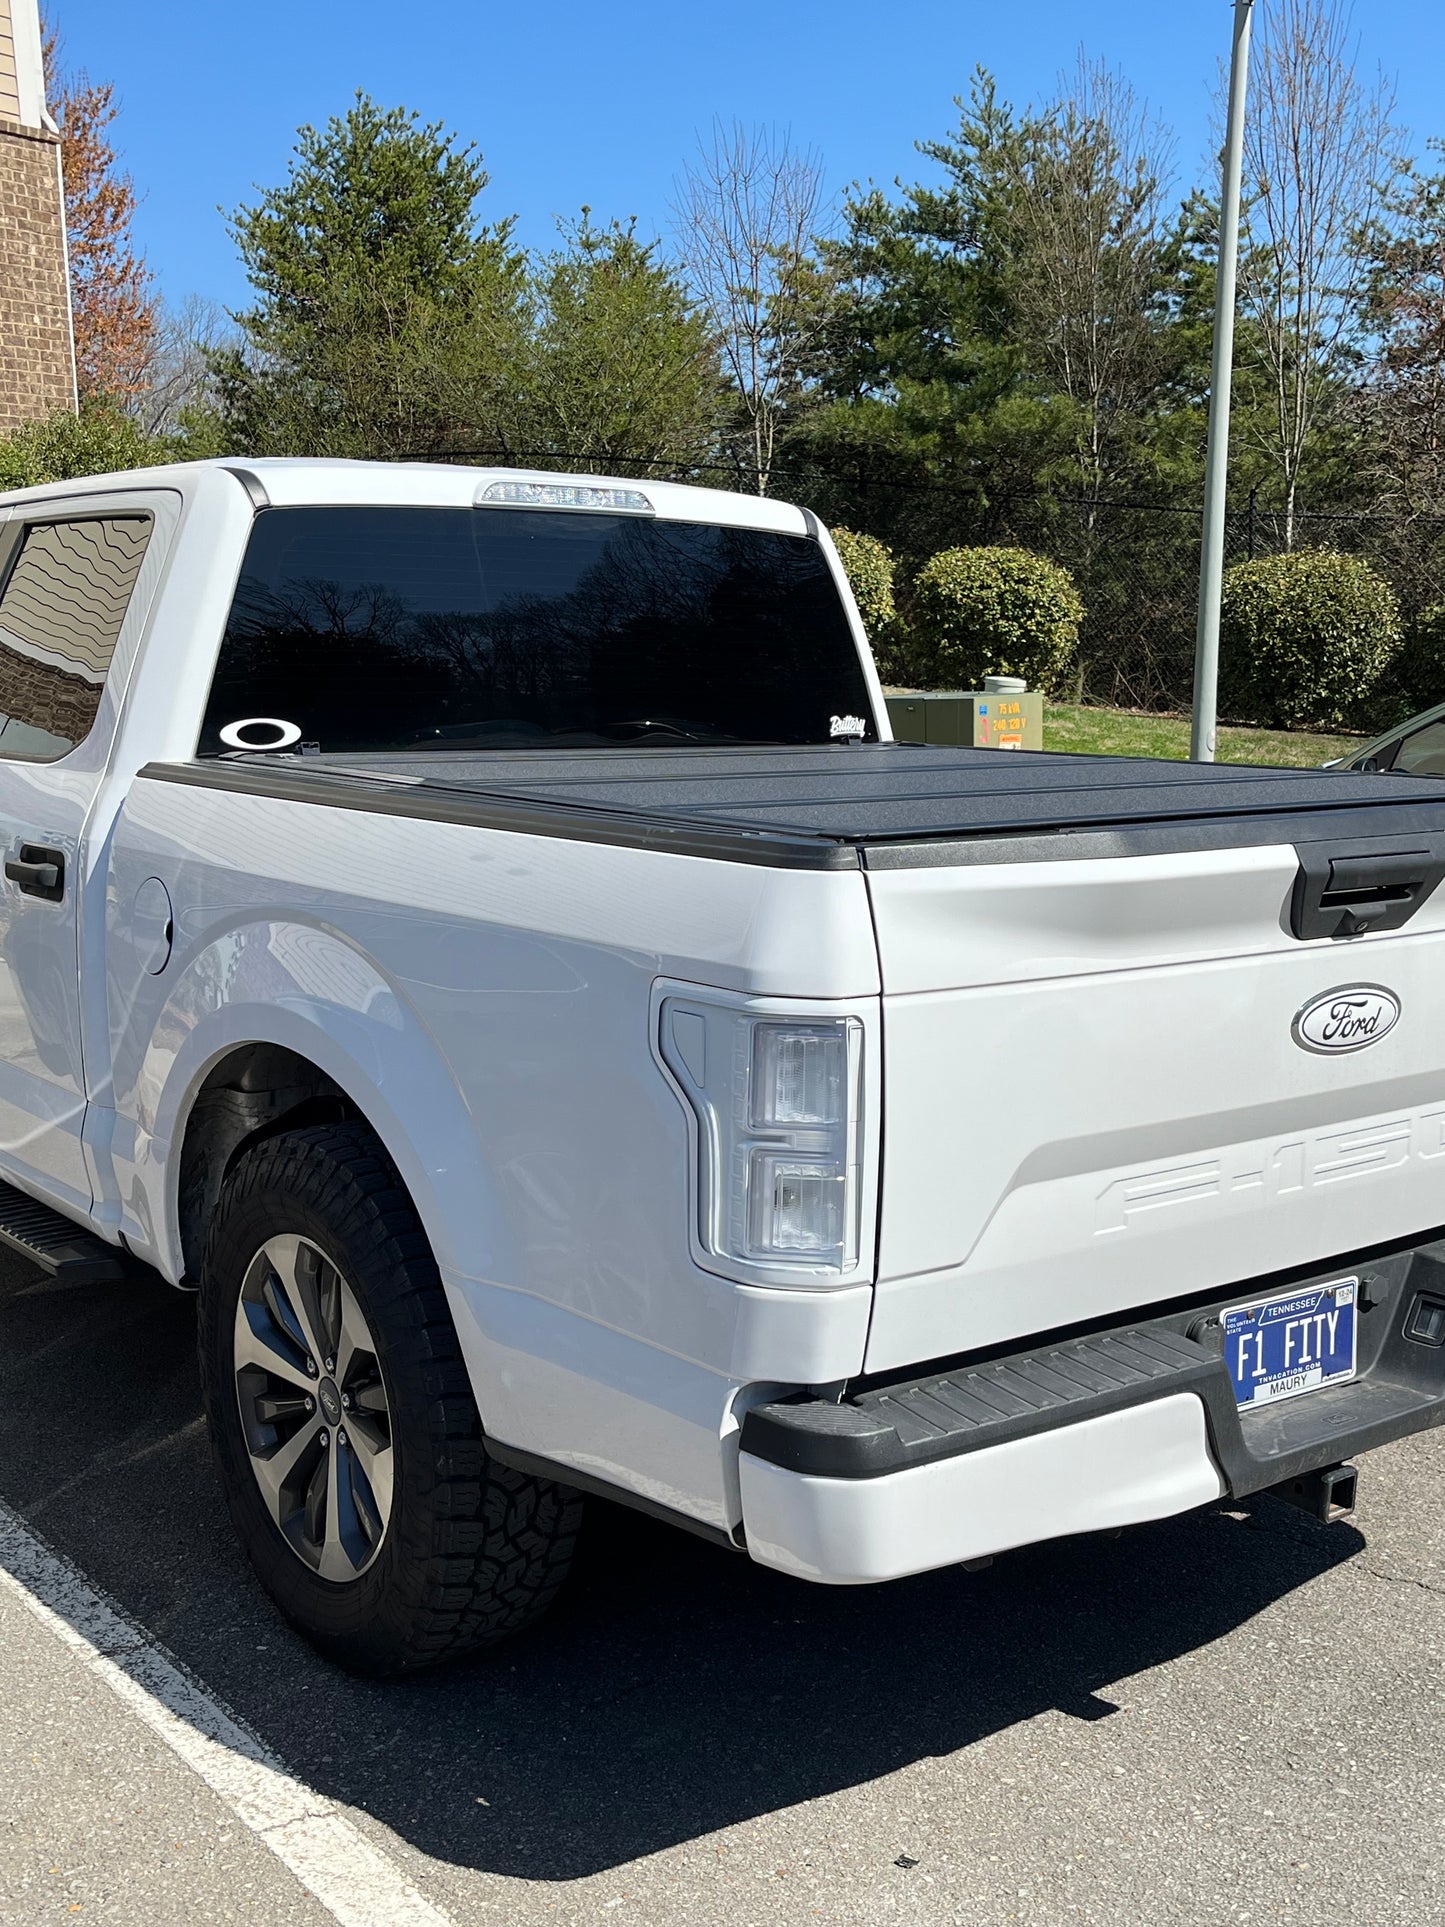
<point>1327,1495</point>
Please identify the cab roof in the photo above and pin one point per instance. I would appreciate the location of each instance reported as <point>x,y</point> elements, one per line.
<point>295,481</point>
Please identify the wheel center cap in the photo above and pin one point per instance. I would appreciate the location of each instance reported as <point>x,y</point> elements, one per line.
<point>329,1400</point>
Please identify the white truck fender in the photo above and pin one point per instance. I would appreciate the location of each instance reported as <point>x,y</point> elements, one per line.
<point>336,1009</point>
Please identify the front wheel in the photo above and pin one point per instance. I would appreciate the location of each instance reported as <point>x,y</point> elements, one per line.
<point>345,1431</point>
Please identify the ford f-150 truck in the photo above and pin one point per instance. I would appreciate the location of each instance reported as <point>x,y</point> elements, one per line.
<point>475,929</point>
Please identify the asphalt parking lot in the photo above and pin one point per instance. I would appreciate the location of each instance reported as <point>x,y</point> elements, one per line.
<point>1233,1716</point>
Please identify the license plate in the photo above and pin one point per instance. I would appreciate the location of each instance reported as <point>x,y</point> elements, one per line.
<point>1298,1342</point>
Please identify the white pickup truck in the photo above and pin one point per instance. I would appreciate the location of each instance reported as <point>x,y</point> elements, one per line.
<point>475,929</point>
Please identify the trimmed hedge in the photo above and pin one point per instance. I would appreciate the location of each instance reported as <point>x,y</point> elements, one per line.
<point>1418,672</point>
<point>993,612</point>
<point>869,567</point>
<point>1304,639</point>
<point>94,442</point>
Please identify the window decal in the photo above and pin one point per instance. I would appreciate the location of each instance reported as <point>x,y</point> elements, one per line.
<point>285,733</point>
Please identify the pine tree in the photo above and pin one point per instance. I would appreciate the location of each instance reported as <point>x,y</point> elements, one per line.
<point>387,319</point>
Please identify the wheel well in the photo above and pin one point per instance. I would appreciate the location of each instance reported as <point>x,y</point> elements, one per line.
<point>254,1092</point>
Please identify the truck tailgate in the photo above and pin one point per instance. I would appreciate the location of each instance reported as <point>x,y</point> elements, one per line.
<point>1095,1099</point>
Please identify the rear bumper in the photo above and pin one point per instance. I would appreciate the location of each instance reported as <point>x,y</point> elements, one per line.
<point>1105,1429</point>
<point>1115,1470</point>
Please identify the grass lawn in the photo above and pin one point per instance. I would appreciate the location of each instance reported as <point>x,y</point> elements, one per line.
<point>1125,732</point>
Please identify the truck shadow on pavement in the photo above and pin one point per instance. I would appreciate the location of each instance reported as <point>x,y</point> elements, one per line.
<point>678,1688</point>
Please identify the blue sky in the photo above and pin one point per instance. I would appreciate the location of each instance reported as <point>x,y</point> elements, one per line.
<point>601,102</point>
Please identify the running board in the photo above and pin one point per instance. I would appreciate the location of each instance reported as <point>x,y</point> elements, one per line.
<point>61,1248</point>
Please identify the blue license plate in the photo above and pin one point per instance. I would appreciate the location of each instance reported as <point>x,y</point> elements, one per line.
<point>1299,1342</point>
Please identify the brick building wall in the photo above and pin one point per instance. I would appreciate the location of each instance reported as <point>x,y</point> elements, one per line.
<point>37,363</point>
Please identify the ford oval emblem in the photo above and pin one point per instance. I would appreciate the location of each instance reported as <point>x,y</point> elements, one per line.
<point>1349,1018</point>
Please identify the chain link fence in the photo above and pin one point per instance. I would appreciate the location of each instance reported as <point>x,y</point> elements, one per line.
<point>1137,568</point>
<point>1136,563</point>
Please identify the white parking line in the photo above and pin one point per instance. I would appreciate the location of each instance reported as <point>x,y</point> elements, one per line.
<point>358,1884</point>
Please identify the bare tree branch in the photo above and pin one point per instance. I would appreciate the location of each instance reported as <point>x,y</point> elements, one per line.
<point>1087,181</point>
<point>176,374</point>
<point>1320,151</point>
<point>746,213</point>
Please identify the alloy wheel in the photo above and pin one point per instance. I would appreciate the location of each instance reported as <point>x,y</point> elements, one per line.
<point>313,1408</point>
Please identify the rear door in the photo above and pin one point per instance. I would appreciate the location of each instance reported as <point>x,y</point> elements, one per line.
<point>71,577</point>
<point>1100,1093</point>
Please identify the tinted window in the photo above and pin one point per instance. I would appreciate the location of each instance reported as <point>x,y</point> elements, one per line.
<point>60,613</point>
<point>1422,754</point>
<point>382,628</point>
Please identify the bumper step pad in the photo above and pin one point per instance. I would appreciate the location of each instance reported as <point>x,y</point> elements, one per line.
<point>58,1246</point>
<point>955,1410</point>
<point>966,1409</point>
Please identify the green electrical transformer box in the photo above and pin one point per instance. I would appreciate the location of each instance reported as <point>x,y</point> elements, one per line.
<point>970,719</point>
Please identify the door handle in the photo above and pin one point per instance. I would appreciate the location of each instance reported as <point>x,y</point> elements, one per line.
<point>38,872</point>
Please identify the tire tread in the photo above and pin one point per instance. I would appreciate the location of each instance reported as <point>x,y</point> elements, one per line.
<point>484,1547</point>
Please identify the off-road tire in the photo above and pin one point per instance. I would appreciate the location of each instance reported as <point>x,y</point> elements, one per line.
<point>473,1551</point>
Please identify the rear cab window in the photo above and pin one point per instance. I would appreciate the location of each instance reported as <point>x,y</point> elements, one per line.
<point>65,595</point>
<point>372,629</point>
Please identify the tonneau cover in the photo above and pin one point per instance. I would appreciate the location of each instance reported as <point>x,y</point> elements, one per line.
<point>911,797</point>
<point>859,793</point>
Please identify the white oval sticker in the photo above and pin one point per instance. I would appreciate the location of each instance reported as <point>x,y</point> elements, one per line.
<point>284,734</point>
<point>1349,1018</point>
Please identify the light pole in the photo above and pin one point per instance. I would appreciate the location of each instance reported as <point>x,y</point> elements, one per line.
<point>1216,460</point>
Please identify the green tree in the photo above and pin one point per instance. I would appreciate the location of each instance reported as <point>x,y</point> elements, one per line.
<point>622,371</point>
<point>388,320</point>
<point>1013,329</point>
<point>917,353</point>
